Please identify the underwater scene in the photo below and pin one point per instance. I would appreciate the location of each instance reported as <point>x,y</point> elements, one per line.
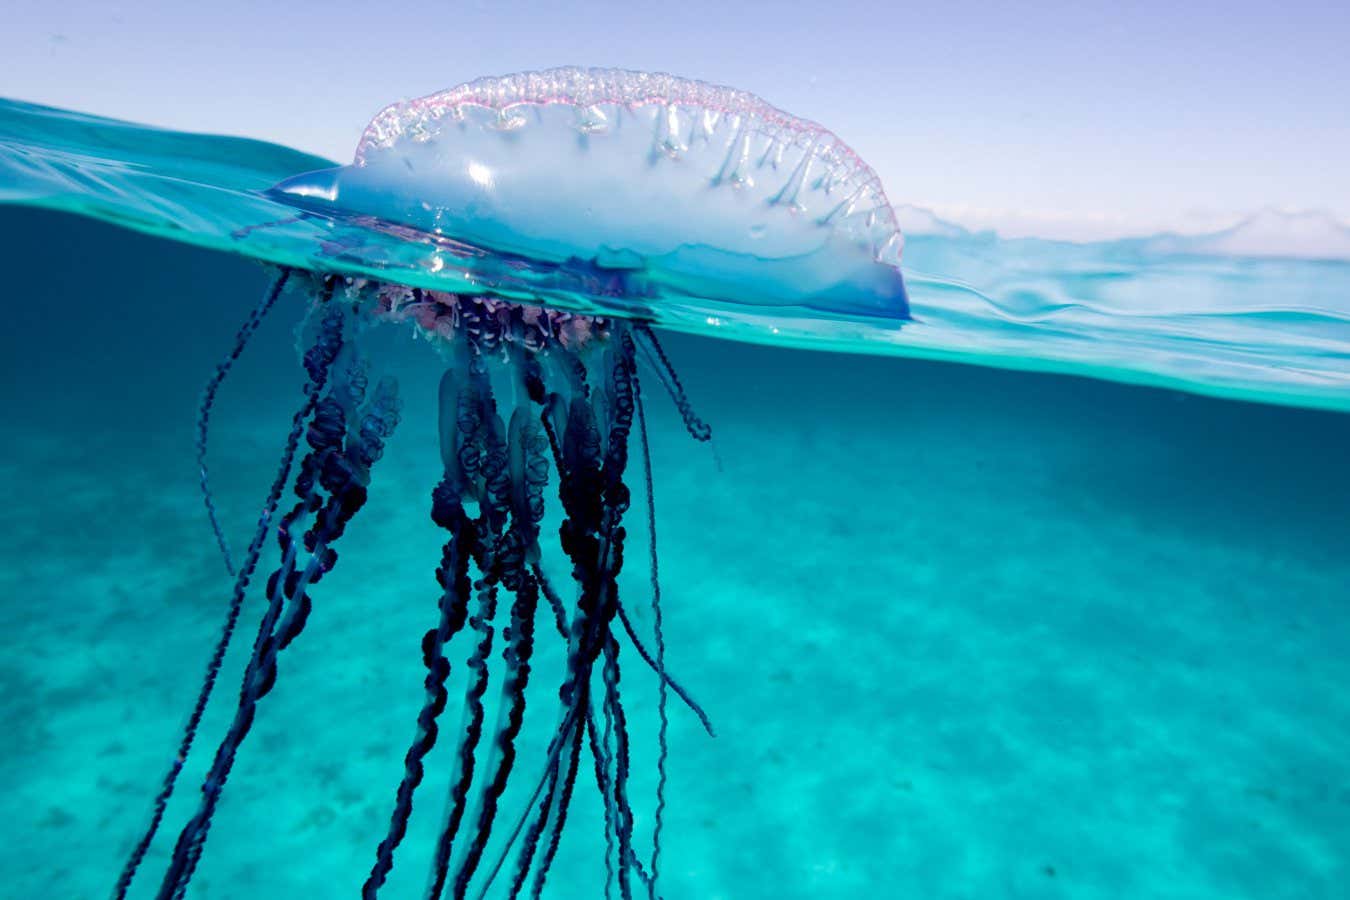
<point>987,567</point>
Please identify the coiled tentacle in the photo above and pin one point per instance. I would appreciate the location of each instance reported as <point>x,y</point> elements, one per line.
<point>330,490</point>
<point>670,379</point>
<point>525,387</point>
<point>242,579</point>
<point>453,576</point>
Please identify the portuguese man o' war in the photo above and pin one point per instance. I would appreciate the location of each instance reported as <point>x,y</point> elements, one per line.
<point>650,183</point>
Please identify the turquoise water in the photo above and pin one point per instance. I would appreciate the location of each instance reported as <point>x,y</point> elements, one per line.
<point>964,631</point>
<point>1186,312</point>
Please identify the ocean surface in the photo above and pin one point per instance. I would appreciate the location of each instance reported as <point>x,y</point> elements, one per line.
<point>1041,596</point>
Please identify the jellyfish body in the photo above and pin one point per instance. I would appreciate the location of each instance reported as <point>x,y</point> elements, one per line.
<point>681,185</point>
<point>534,403</point>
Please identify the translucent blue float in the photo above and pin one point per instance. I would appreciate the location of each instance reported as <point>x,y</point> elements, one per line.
<point>667,184</point>
<point>613,190</point>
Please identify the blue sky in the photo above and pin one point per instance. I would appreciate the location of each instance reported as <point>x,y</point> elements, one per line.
<point>1066,119</point>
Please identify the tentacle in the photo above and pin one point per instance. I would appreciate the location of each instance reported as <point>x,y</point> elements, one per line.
<point>518,564</point>
<point>232,616</point>
<point>493,491</point>
<point>603,757</point>
<point>697,428</point>
<point>593,538</point>
<point>520,644</point>
<point>668,679</point>
<point>547,789</point>
<point>560,616</point>
<point>594,738</point>
<point>528,473</point>
<point>663,748</point>
<point>241,340</point>
<point>554,601</point>
<point>343,473</point>
<point>453,577</point>
<point>480,622</point>
<point>594,498</point>
<point>530,844</point>
<point>491,503</point>
<point>617,721</point>
<point>346,493</point>
<point>560,807</point>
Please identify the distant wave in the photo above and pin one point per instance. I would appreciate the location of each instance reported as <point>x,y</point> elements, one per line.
<point>1268,233</point>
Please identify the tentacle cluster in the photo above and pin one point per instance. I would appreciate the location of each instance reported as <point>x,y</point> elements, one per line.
<point>496,463</point>
<point>345,432</point>
<point>525,390</point>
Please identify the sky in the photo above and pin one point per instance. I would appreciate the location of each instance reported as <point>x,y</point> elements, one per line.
<point>1077,120</point>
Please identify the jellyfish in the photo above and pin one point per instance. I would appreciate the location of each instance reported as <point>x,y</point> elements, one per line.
<point>572,203</point>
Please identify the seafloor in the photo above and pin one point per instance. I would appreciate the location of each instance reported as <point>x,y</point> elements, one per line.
<point>964,633</point>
